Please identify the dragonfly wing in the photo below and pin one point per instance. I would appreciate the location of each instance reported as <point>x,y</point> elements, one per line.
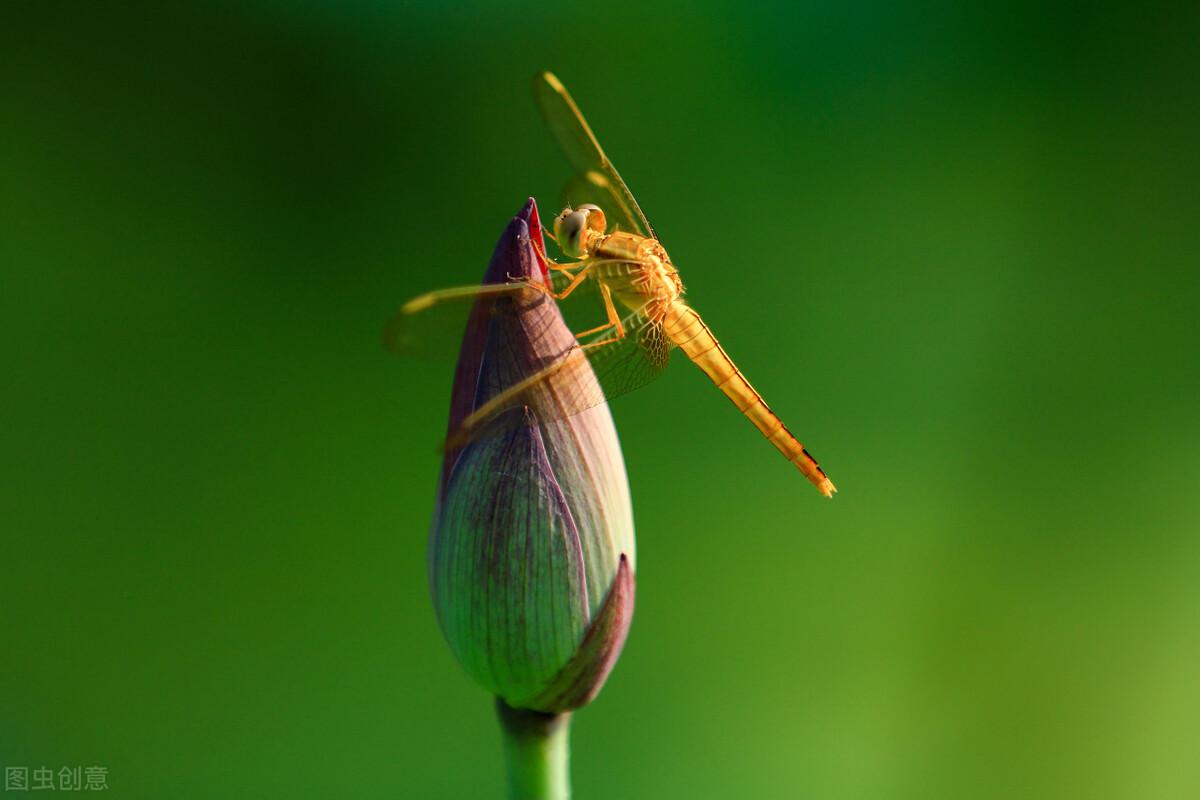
<point>574,377</point>
<point>630,362</point>
<point>533,360</point>
<point>596,180</point>
<point>432,323</point>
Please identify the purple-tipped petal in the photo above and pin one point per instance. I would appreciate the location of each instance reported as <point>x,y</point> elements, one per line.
<point>580,680</point>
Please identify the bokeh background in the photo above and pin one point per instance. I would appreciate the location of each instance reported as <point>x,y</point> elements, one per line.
<point>954,246</point>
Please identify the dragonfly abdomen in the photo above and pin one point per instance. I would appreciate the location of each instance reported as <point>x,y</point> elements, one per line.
<point>687,330</point>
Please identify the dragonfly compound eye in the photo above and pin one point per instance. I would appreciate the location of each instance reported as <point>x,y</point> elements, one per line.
<point>569,228</point>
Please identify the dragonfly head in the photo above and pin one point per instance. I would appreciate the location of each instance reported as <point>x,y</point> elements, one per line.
<point>575,229</point>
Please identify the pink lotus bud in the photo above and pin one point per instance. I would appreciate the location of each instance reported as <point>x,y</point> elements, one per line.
<point>532,547</point>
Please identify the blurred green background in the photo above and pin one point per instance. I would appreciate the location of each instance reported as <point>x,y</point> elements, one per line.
<point>954,247</point>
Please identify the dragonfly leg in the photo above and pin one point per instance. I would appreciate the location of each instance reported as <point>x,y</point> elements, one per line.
<point>550,262</point>
<point>614,321</point>
<point>577,279</point>
<point>564,268</point>
<point>567,267</point>
<point>568,270</point>
<point>541,249</point>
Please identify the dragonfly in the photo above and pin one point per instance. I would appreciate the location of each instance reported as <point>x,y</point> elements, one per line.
<point>618,263</point>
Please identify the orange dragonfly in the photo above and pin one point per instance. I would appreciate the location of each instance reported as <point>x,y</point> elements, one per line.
<point>617,260</point>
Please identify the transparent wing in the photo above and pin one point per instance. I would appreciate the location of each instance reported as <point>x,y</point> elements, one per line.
<point>572,376</point>
<point>529,357</point>
<point>632,361</point>
<point>431,325</point>
<point>596,180</point>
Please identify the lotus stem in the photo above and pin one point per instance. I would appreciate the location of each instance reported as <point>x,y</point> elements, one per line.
<point>536,753</point>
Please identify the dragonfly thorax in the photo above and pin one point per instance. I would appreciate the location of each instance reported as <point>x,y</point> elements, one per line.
<point>638,269</point>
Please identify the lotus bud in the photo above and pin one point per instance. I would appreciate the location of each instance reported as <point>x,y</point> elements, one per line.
<point>532,547</point>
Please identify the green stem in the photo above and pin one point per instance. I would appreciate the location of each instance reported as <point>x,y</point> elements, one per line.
<point>536,753</point>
